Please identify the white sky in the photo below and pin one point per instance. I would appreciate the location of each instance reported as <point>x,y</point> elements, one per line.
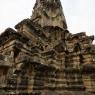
<point>80,14</point>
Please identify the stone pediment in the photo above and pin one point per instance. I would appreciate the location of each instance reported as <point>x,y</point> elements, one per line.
<point>9,35</point>
<point>6,35</point>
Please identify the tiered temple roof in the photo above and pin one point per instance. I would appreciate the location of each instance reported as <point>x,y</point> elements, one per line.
<point>41,57</point>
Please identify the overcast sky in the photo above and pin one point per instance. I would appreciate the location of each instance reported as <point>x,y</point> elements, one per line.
<point>80,14</point>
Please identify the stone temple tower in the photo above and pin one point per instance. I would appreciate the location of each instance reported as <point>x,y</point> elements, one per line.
<point>41,57</point>
<point>49,13</point>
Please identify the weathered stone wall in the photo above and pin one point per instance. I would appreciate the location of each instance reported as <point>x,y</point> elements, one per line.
<point>64,66</point>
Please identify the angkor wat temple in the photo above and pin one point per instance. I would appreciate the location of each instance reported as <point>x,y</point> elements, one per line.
<point>41,57</point>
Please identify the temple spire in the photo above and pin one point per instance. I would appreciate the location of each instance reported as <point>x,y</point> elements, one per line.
<point>49,13</point>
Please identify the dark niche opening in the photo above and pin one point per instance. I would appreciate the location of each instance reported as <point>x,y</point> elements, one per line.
<point>77,47</point>
<point>81,59</point>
